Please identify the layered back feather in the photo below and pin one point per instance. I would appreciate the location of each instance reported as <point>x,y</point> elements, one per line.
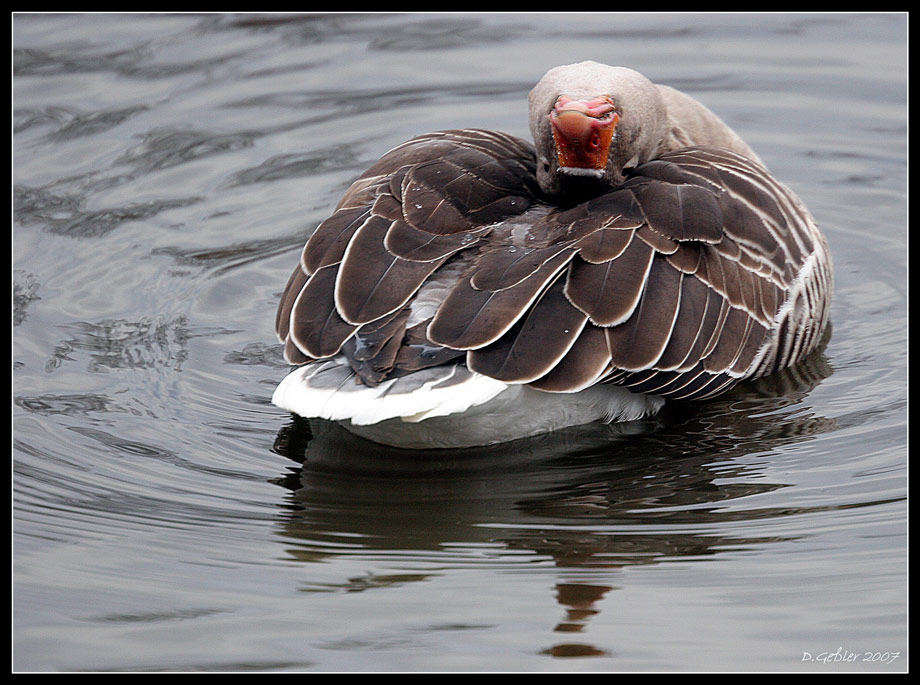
<point>698,271</point>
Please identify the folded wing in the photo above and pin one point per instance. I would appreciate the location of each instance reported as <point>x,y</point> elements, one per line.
<point>672,284</point>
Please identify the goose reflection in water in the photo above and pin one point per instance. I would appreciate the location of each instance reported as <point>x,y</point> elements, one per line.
<point>588,501</point>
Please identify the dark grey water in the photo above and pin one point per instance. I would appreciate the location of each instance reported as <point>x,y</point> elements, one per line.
<point>166,172</point>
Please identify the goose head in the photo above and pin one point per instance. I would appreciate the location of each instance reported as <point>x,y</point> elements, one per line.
<point>591,123</point>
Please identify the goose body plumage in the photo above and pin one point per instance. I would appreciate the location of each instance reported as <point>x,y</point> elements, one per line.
<point>471,288</point>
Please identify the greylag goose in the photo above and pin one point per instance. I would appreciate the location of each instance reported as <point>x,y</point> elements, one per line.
<point>472,289</point>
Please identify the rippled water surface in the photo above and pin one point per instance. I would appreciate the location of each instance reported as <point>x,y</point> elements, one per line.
<point>167,517</point>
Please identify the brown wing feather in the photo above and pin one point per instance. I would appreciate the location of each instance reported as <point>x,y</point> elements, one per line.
<point>288,295</point>
<point>421,203</point>
<point>609,292</point>
<point>586,362</point>
<point>687,297</point>
<point>317,329</point>
<point>639,342</point>
<point>327,244</point>
<point>371,281</point>
<point>536,343</point>
<point>669,284</point>
<point>470,318</point>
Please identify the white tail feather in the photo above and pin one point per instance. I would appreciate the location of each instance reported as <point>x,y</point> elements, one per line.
<point>448,406</point>
<point>330,390</point>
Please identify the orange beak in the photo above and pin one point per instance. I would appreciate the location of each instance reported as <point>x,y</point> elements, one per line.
<point>583,130</point>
